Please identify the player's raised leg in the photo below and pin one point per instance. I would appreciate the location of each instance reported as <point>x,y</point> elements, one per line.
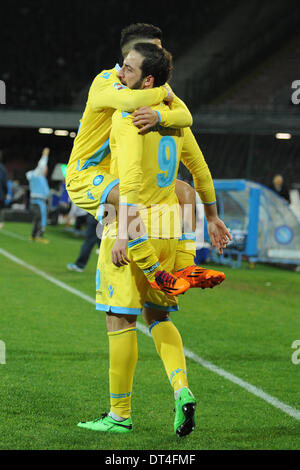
<point>98,193</point>
<point>136,241</point>
<point>185,267</point>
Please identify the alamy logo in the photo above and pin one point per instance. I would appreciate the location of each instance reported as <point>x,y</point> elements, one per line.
<point>296,354</point>
<point>2,92</point>
<point>296,95</point>
<point>2,353</point>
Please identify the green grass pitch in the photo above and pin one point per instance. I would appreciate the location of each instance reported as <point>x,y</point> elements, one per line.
<point>56,370</point>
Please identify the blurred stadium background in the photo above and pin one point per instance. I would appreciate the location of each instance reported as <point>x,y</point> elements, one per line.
<point>234,66</point>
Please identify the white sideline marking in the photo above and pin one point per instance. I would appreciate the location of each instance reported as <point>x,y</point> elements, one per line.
<point>293,412</point>
<point>14,235</point>
<point>46,276</point>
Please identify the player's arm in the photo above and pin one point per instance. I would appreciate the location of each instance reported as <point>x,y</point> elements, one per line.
<point>193,159</point>
<point>42,164</point>
<point>109,93</point>
<point>176,116</point>
<point>129,145</point>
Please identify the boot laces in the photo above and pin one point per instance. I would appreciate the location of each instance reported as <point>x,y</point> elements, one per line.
<point>165,278</point>
<point>101,417</point>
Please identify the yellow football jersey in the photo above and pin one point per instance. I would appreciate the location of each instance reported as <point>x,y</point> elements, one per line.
<point>91,145</point>
<point>147,167</point>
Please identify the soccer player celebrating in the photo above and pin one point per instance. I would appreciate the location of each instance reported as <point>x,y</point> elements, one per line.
<point>146,166</point>
<point>89,183</point>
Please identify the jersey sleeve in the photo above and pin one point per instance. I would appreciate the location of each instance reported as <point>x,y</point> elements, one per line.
<point>193,159</point>
<point>39,170</point>
<point>177,116</point>
<point>110,93</point>
<point>129,148</point>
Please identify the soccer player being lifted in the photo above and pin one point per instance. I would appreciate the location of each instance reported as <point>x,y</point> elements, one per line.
<point>147,180</point>
<point>90,185</point>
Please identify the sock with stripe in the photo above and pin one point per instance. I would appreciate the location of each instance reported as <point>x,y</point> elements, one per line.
<point>143,254</point>
<point>169,347</point>
<point>185,251</point>
<point>123,355</point>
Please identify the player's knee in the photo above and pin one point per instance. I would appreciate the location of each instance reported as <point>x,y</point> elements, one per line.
<point>153,315</point>
<point>116,321</point>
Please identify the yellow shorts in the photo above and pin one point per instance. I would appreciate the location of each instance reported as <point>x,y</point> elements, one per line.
<point>89,190</point>
<point>126,289</point>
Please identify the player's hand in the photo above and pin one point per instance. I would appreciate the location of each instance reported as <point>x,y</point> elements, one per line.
<point>170,95</point>
<point>46,151</point>
<point>119,252</point>
<point>145,118</point>
<point>218,233</point>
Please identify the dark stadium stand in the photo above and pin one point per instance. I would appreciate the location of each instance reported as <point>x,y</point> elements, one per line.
<point>268,85</point>
<point>56,48</point>
<point>234,64</point>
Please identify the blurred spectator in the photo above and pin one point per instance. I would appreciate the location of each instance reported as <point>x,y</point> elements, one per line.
<point>39,192</point>
<point>9,193</point>
<point>60,204</point>
<point>80,221</point>
<point>280,187</point>
<point>3,189</point>
<point>91,239</point>
<point>79,216</point>
<point>15,193</point>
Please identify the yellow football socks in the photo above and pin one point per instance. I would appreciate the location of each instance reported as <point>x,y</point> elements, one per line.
<point>123,355</point>
<point>169,347</point>
<point>143,254</point>
<point>185,251</point>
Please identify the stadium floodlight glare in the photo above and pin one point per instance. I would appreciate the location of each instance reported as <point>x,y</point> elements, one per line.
<point>73,134</point>
<point>61,132</point>
<point>283,135</point>
<point>45,130</point>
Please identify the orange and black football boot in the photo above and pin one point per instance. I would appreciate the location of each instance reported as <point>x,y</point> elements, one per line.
<point>200,277</point>
<point>169,284</point>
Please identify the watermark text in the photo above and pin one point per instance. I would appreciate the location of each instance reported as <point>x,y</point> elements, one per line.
<point>296,94</point>
<point>2,352</point>
<point>158,220</point>
<point>2,92</point>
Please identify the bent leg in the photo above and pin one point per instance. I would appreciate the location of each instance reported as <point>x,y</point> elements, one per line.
<point>186,249</point>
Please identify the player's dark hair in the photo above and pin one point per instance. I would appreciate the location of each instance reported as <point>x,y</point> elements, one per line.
<point>138,31</point>
<point>157,62</point>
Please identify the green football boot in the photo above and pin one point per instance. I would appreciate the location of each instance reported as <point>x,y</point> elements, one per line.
<point>107,424</point>
<point>185,407</point>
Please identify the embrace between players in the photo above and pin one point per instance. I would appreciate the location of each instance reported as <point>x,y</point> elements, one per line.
<point>132,136</point>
